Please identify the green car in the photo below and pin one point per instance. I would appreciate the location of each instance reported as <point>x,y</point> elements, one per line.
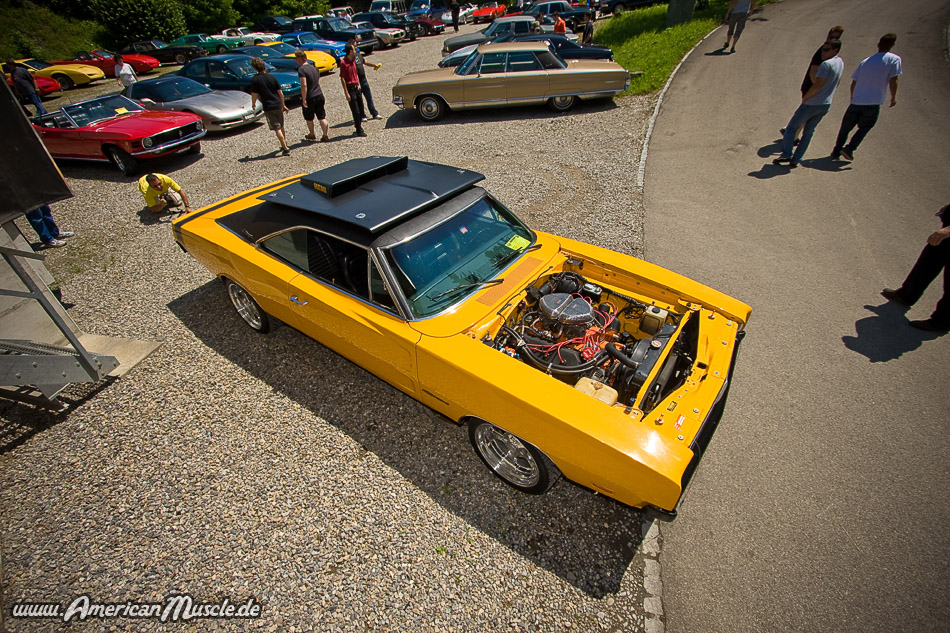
<point>217,44</point>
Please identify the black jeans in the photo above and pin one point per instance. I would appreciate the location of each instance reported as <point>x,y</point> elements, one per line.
<point>864,116</point>
<point>356,105</point>
<point>932,260</point>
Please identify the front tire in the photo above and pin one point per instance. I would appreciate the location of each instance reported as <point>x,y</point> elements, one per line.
<point>194,149</point>
<point>618,9</point>
<point>181,59</point>
<point>123,160</point>
<point>519,464</point>
<point>430,108</point>
<point>247,308</point>
<point>64,81</point>
<point>222,49</point>
<point>562,103</point>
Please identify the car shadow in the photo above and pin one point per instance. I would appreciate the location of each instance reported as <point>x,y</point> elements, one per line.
<point>886,335</point>
<point>408,118</point>
<point>87,170</point>
<point>584,538</point>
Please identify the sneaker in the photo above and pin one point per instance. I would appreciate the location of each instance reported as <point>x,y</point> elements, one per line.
<point>781,160</point>
<point>835,155</point>
<point>377,116</point>
<point>845,154</point>
<point>781,131</point>
<point>895,296</point>
<point>360,133</point>
<point>55,243</point>
<point>65,234</point>
<point>732,50</point>
<point>929,325</point>
<point>363,119</point>
<point>285,152</point>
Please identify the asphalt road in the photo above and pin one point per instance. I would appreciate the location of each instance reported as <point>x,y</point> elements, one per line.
<point>822,502</point>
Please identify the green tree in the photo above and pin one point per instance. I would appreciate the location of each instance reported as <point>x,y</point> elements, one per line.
<point>209,16</point>
<point>78,9</point>
<point>130,20</point>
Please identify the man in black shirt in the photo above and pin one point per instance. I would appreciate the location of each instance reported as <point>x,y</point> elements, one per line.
<point>24,86</point>
<point>809,80</point>
<point>313,100</point>
<point>364,82</point>
<point>266,88</point>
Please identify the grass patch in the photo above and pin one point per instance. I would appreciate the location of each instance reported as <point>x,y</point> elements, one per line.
<point>29,30</point>
<point>641,41</point>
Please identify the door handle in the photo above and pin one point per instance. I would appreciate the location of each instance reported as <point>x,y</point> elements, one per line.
<point>298,301</point>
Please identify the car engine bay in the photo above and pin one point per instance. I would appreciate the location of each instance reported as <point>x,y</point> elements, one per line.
<point>599,340</point>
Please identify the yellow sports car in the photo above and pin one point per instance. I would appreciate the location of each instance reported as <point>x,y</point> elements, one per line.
<point>324,62</point>
<point>559,356</point>
<point>509,74</point>
<point>68,75</point>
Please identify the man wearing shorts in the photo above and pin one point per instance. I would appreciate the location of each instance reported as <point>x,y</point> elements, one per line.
<point>736,16</point>
<point>313,102</point>
<point>266,88</point>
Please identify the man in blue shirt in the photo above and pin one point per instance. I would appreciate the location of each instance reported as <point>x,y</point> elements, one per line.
<point>815,105</point>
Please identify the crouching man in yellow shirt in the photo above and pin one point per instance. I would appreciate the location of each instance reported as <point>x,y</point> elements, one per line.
<point>161,193</point>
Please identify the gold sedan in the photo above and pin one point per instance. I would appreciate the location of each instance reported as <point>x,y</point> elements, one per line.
<point>513,73</point>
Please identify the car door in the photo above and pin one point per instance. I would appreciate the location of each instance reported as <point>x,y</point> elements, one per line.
<point>526,80</point>
<point>198,70</point>
<point>58,141</point>
<point>331,303</point>
<point>486,82</point>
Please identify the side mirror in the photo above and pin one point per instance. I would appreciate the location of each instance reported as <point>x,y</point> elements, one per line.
<point>146,101</point>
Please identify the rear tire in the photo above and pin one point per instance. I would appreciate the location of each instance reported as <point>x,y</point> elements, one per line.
<point>125,162</point>
<point>222,49</point>
<point>430,108</point>
<point>181,59</point>
<point>618,9</point>
<point>64,81</point>
<point>247,308</point>
<point>563,103</point>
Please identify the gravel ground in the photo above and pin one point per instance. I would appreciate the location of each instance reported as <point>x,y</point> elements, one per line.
<point>230,464</point>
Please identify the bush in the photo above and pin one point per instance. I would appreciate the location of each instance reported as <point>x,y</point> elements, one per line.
<point>30,30</point>
<point>130,20</point>
<point>208,16</point>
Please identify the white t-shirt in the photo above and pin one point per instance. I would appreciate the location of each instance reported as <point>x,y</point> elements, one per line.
<point>126,74</point>
<point>872,76</point>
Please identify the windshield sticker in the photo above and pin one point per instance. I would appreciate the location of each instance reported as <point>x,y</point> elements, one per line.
<point>463,230</point>
<point>517,243</point>
<point>121,110</point>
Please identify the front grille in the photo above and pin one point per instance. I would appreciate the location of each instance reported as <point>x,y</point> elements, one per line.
<point>171,136</point>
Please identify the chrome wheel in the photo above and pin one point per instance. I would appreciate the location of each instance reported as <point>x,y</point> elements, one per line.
<point>121,159</point>
<point>247,308</point>
<point>562,103</point>
<point>430,107</point>
<point>518,463</point>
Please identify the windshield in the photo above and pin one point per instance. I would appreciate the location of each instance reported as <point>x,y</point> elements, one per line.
<point>283,49</point>
<point>180,88</point>
<point>308,38</point>
<point>241,67</point>
<point>102,53</point>
<point>497,27</point>
<point>454,259</point>
<point>35,65</point>
<point>419,4</point>
<point>339,24</point>
<point>89,112</point>
<point>264,52</point>
<point>159,44</point>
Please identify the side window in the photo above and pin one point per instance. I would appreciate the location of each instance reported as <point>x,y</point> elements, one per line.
<point>379,293</point>
<point>522,27</point>
<point>196,69</point>
<point>522,62</point>
<point>326,258</point>
<point>290,246</point>
<point>548,60</point>
<point>493,63</point>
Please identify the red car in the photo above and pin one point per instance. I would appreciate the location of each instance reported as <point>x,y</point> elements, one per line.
<point>114,128</point>
<point>102,60</point>
<point>488,12</point>
<point>44,85</point>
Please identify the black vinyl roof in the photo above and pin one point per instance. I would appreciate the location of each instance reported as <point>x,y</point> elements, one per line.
<point>369,195</point>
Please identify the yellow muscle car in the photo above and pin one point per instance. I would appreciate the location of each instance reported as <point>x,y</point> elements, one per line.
<point>559,356</point>
<point>324,62</point>
<point>68,75</point>
<point>509,74</point>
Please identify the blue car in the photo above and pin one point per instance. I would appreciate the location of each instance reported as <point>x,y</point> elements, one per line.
<point>273,57</point>
<point>234,72</point>
<point>308,41</point>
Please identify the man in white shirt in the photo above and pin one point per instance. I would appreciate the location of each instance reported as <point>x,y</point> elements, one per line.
<point>124,73</point>
<point>870,82</point>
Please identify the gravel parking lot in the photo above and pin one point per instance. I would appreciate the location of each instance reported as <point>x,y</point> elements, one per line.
<point>230,464</point>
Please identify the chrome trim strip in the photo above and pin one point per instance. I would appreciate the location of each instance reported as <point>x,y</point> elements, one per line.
<point>161,148</point>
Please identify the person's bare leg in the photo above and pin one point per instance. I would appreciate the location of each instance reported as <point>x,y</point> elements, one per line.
<point>325,126</point>
<point>280,137</point>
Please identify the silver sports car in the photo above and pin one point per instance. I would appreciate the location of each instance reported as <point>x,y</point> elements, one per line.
<point>219,109</point>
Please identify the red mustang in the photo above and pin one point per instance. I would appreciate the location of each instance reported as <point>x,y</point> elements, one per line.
<point>488,11</point>
<point>114,128</point>
<point>102,60</point>
<point>44,85</point>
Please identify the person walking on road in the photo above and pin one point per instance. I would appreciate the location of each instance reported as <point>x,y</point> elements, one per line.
<point>815,105</point>
<point>314,103</point>
<point>869,84</point>
<point>934,258</point>
<point>266,88</point>
<point>364,82</point>
<point>834,34</point>
<point>456,10</point>
<point>350,79</point>
<point>736,16</point>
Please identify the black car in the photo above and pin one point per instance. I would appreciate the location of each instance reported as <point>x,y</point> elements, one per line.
<point>275,24</point>
<point>616,7</point>
<point>163,52</point>
<point>339,30</point>
<point>272,56</point>
<point>568,49</point>
<point>386,20</point>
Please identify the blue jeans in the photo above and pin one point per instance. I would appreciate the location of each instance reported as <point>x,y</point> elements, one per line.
<point>368,95</point>
<point>37,103</point>
<point>810,116</point>
<point>42,222</point>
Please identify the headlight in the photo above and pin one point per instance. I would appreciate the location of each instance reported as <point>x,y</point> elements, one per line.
<point>285,86</point>
<point>147,142</point>
<point>199,125</point>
